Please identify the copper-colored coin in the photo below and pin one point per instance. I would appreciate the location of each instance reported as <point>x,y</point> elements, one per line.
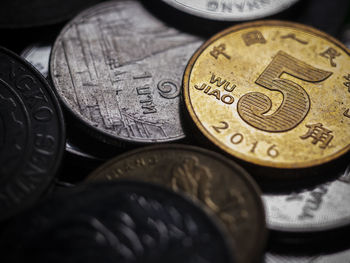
<point>272,93</point>
<point>219,183</point>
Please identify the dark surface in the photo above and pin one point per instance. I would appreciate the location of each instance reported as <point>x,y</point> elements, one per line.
<point>32,134</point>
<point>24,13</point>
<point>121,222</point>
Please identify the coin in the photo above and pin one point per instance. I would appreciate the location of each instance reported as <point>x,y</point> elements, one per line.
<point>24,14</point>
<point>272,93</point>
<point>217,182</point>
<point>232,10</point>
<point>38,55</point>
<point>118,70</point>
<point>136,222</point>
<point>318,208</point>
<point>32,134</point>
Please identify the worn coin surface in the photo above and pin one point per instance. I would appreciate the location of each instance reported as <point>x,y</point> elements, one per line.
<point>117,222</point>
<point>32,134</point>
<point>217,182</point>
<point>322,207</point>
<point>272,93</point>
<point>232,10</point>
<point>38,55</point>
<point>118,70</point>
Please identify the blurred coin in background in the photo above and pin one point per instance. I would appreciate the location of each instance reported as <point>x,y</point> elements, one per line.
<point>217,182</point>
<point>117,222</point>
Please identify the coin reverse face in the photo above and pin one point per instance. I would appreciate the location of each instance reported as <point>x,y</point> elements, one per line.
<point>118,70</point>
<point>217,182</point>
<point>272,93</point>
<point>232,10</point>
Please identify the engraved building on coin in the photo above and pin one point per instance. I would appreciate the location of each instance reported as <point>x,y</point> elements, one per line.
<point>118,70</point>
<point>272,93</point>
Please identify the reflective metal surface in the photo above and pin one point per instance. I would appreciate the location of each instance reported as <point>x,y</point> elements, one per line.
<point>118,70</point>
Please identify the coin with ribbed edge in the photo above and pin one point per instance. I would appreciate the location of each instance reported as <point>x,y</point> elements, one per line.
<point>32,134</point>
<point>220,184</point>
<point>117,222</point>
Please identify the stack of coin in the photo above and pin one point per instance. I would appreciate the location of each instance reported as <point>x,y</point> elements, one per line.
<point>155,131</point>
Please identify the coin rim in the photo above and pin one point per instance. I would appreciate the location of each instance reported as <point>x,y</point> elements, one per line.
<point>216,141</point>
<point>61,134</point>
<point>218,16</point>
<point>260,240</point>
<point>95,132</point>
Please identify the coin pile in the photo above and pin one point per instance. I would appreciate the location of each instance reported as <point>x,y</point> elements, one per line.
<point>155,131</point>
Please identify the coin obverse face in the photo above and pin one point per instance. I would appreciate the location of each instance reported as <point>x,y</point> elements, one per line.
<point>272,93</point>
<point>232,10</point>
<point>220,184</point>
<point>118,70</point>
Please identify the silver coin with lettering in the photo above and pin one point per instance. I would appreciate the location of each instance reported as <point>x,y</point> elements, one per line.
<point>231,10</point>
<point>118,69</point>
<point>323,207</point>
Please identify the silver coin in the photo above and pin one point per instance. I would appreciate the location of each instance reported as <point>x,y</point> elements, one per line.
<point>38,55</point>
<point>323,207</point>
<point>231,10</point>
<point>336,257</point>
<point>119,69</point>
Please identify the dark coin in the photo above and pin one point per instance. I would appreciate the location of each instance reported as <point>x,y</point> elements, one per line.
<point>217,182</point>
<point>322,207</point>
<point>116,222</point>
<point>38,55</point>
<point>22,13</point>
<point>32,134</point>
<point>118,70</point>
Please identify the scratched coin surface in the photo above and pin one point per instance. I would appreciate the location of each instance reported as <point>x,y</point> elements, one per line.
<point>118,69</point>
<point>136,222</point>
<point>32,134</point>
<point>217,182</point>
<point>272,93</point>
<point>322,207</point>
<point>232,10</point>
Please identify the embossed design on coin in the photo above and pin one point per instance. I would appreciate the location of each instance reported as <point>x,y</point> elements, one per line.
<point>138,222</point>
<point>322,207</point>
<point>206,176</point>
<point>32,134</point>
<point>289,94</point>
<point>232,10</point>
<point>118,70</point>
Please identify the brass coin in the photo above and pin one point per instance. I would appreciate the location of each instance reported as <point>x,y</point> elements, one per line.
<point>272,93</point>
<point>219,183</point>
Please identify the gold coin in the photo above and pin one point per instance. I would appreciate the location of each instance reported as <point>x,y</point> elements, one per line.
<point>272,93</point>
<point>224,187</point>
